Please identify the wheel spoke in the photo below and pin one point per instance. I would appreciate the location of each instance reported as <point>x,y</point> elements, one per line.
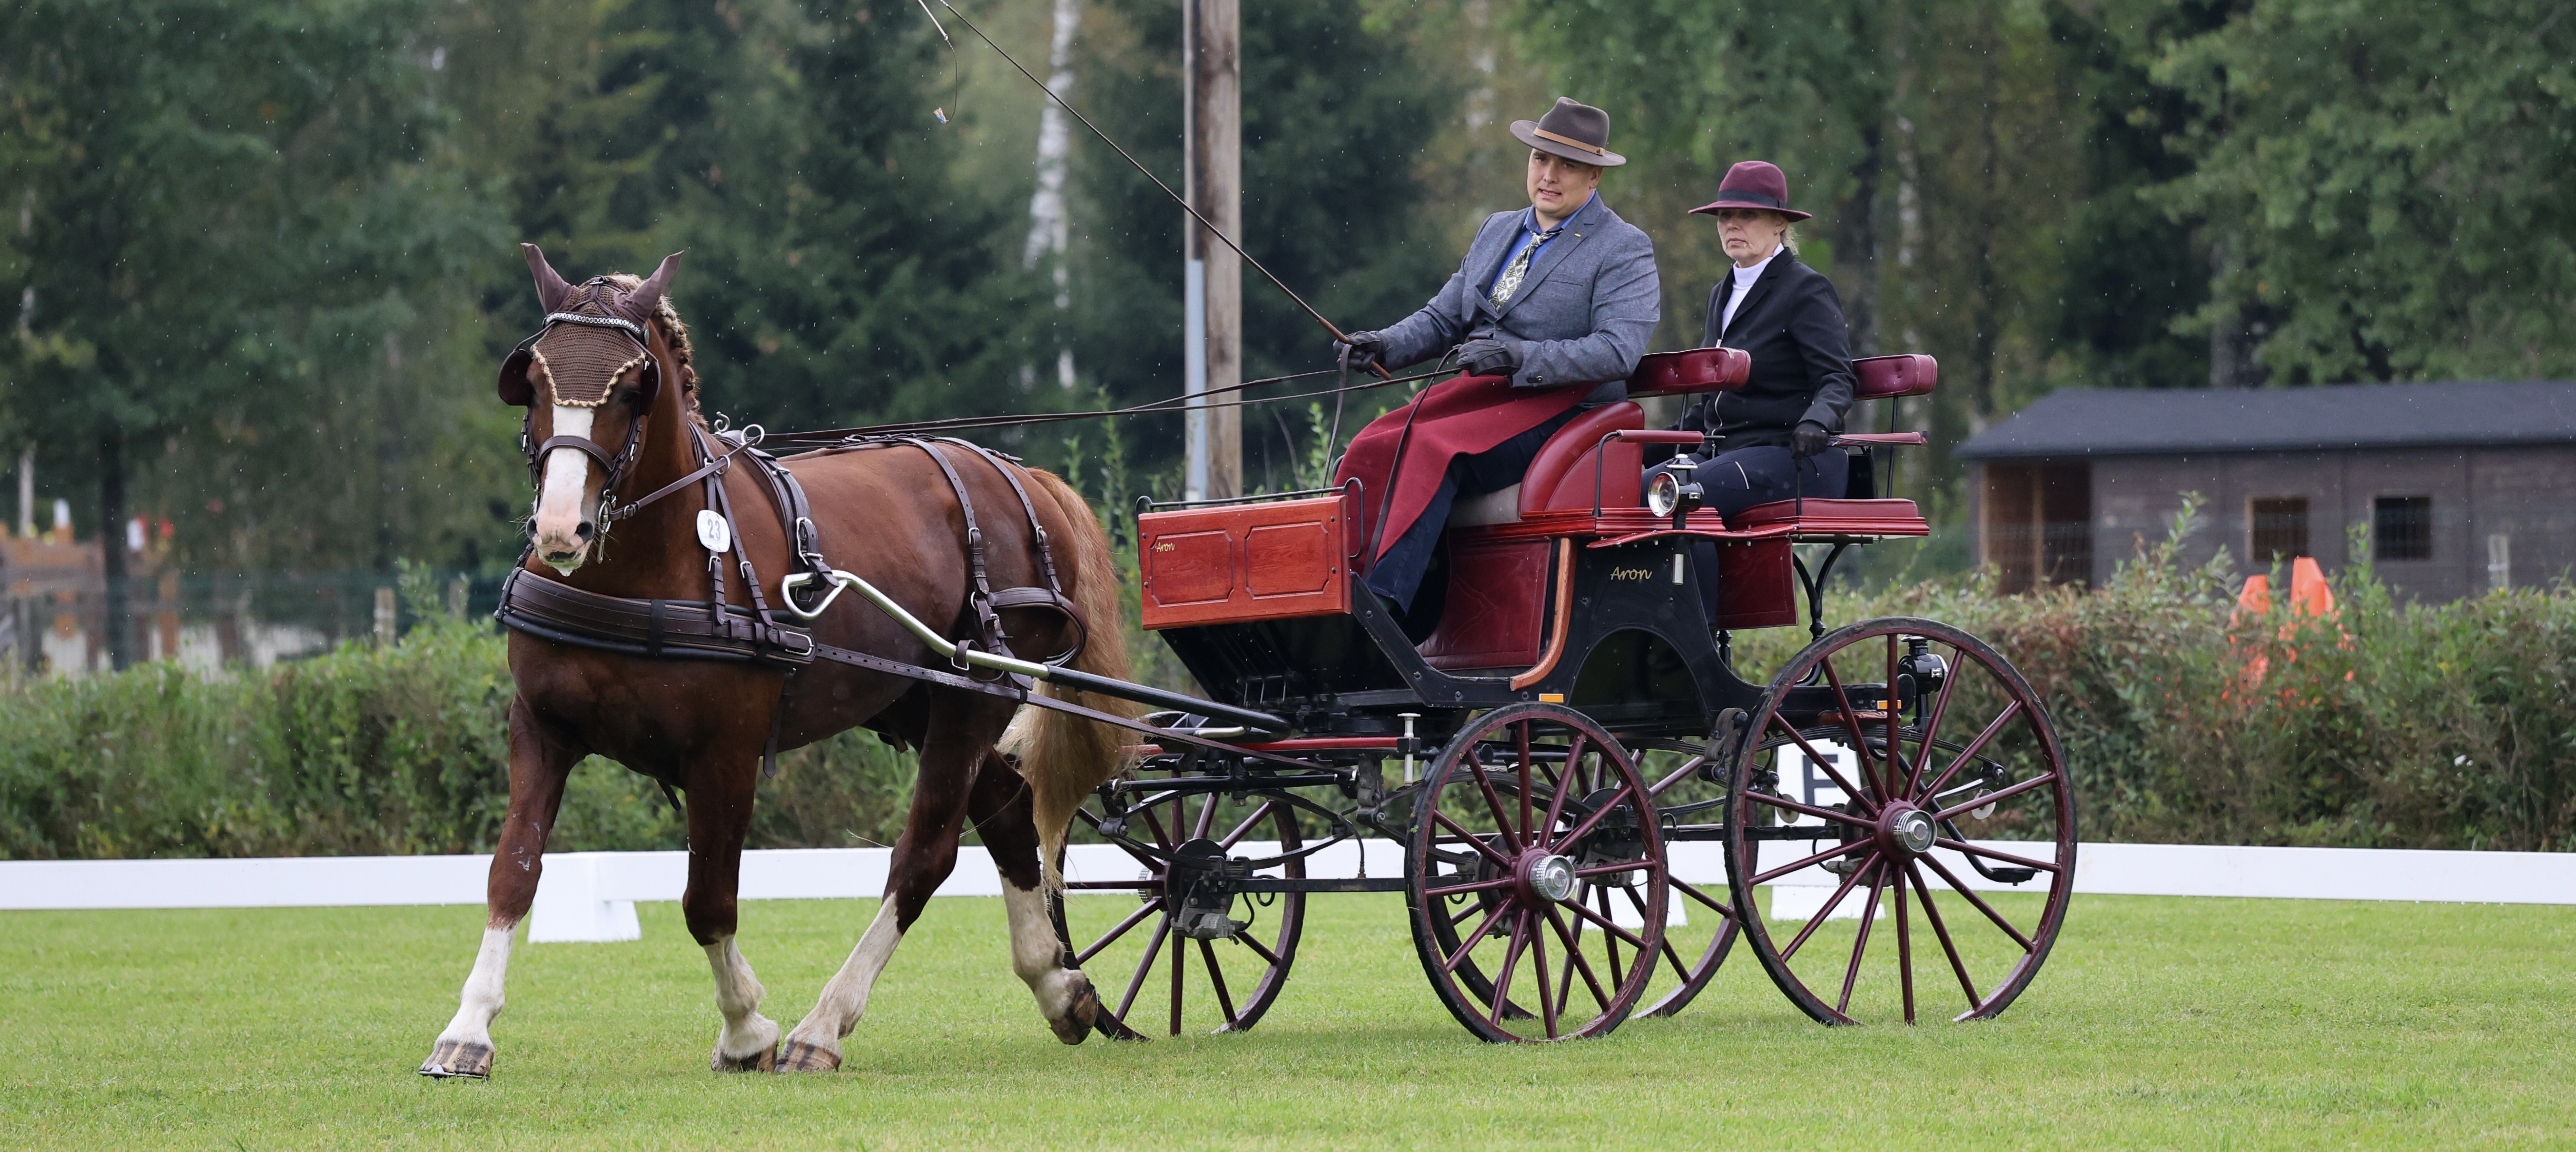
<point>1904,950</point>
<point>1609,944</point>
<point>1827,763</point>
<point>1266,954</point>
<point>1124,926</point>
<point>1828,909</point>
<point>1702,897</point>
<point>1574,956</point>
<point>1494,801</point>
<point>1207,817</point>
<point>1180,963</point>
<point>1860,939</point>
<point>1804,809</point>
<point>1576,834</point>
<point>1803,862</point>
<point>1932,726</point>
<point>1991,854</point>
<point>1154,822</point>
<point>1933,914</point>
<point>1538,962</point>
<point>1258,814</point>
<point>1974,746</point>
<point>1608,925</point>
<point>1216,977</point>
<point>1895,714</point>
<point>1565,786</point>
<point>1468,944</point>
<point>1529,834</point>
<point>1476,886</point>
<point>1678,775</point>
<point>1511,960</point>
<point>1997,796</point>
<point>1472,838</point>
<point>1980,903</point>
<point>1851,723</point>
<point>1143,968</point>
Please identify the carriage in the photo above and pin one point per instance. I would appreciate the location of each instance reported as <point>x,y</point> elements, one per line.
<point>1593,803</point>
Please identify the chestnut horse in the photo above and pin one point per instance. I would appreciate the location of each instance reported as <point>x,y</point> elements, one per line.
<point>700,726</point>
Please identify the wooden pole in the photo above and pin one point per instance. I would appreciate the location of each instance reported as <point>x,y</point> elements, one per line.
<point>1214,185</point>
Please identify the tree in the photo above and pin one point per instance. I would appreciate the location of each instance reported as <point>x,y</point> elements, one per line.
<point>2387,184</point>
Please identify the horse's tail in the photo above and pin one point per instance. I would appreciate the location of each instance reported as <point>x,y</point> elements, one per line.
<point>1064,757</point>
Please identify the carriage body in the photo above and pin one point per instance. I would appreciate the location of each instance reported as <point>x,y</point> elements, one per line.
<point>1580,700</point>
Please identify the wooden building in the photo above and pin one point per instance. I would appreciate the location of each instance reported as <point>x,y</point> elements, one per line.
<point>2458,487</point>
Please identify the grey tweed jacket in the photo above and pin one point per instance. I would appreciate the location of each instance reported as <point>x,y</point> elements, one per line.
<point>1583,315</point>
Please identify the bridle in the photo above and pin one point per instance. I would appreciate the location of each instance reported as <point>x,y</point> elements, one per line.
<point>710,462</point>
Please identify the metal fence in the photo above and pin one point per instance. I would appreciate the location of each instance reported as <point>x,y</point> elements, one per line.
<point>209,622</point>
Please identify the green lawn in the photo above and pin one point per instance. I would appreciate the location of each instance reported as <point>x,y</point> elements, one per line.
<point>2158,1023</point>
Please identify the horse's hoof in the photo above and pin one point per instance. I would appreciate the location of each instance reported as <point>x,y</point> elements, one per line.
<point>458,1059</point>
<point>799,1056</point>
<point>765,1060</point>
<point>1079,1018</point>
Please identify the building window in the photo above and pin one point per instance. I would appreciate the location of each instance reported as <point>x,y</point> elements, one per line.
<point>2280,526</point>
<point>2401,528</point>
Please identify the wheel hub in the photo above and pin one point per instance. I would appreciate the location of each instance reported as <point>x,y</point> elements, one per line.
<point>1546,877</point>
<point>1909,830</point>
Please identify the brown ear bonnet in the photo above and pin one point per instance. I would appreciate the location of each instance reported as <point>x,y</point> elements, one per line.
<point>592,341</point>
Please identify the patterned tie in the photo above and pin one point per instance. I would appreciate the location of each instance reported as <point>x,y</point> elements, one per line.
<point>1510,281</point>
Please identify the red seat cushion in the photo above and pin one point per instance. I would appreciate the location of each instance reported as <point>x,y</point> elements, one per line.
<point>1882,377</point>
<point>1561,476</point>
<point>1836,517</point>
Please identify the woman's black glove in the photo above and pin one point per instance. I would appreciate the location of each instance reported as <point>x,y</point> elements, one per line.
<point>1358,349</point>
<point>1809,439</point>
<point>1490,357</point>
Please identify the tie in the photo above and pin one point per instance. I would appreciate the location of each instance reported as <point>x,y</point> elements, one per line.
<point>1510,281</point>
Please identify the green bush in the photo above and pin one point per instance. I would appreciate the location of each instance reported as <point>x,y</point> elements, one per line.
<point>2386,725</point>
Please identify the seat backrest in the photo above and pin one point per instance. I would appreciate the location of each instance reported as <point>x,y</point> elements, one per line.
<point>1561,476</point>
<point>1690,370</point>
<point>1886,377</point>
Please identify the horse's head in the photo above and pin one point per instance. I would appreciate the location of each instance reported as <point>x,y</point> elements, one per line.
<point>589,378</point>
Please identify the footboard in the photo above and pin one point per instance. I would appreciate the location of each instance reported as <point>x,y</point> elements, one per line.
<point>1243,562</point>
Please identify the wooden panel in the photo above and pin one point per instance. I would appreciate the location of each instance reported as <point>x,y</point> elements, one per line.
<point>1755,585</point>
<point>1287,559</point>
<point>1497,604</point>
<point>1244,562</point>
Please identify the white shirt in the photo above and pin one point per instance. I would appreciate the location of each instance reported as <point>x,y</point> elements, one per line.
<point>1744,278</point>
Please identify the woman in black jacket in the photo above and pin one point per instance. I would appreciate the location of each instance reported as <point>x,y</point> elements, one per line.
<point>1775,433</point>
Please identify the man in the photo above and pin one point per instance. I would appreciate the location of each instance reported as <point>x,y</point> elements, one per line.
<point>1547,314</point>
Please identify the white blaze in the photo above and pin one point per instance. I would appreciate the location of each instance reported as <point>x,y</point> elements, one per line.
<point>559,500</point>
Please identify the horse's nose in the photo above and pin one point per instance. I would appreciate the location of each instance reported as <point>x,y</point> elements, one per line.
<point>586,530</point>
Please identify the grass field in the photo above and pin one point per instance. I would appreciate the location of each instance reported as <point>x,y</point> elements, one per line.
<point>2158,1023</point>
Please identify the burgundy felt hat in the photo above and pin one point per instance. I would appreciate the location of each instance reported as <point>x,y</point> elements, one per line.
<point>1754,184</point>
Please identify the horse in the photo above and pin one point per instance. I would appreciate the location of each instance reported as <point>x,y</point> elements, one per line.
<point>703,727</point>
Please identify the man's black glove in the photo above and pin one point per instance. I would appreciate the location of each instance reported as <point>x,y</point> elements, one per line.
<point>1809,439</point>
<point>1357,349</point>
<point>1490,357</point>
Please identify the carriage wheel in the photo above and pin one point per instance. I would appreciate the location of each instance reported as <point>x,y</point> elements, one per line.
<point>1525,819</point>
<point>1967,828</point>
<point>1155,980</point>
<point>1700,926</point>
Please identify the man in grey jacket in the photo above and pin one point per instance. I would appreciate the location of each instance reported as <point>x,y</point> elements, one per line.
<point>1556,301</point>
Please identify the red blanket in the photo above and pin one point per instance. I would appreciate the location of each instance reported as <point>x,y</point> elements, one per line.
<point>1456,417</point>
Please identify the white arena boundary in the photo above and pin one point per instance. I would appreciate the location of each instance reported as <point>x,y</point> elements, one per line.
<point>590,896</point>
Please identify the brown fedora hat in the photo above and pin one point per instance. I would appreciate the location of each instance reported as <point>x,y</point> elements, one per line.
<point>1754,184</point>
<point>1574,131</point>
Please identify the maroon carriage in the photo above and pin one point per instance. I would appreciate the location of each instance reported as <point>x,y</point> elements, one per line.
<point>1593,800</point>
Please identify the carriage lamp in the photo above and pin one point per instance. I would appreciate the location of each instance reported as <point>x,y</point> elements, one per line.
<point>1672,493</point>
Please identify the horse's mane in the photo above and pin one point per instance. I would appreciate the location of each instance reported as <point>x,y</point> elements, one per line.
<point>674,330</point>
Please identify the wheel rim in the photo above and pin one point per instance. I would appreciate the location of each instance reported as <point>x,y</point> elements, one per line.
<point>1155,980</point>
<point>1977,784</point>
<point>1527,816</point>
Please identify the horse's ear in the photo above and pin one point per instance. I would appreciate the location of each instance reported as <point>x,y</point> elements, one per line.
<point>649,293</point>
<point>516,389</point>
<point>551,288</point>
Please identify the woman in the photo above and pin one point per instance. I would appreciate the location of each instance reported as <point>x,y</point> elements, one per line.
<point>1775,433</point>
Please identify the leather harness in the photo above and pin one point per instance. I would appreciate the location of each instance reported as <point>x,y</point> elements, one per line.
<point>713,629</point>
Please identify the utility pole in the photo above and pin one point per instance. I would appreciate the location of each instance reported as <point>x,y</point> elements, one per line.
<point>1212,275</point>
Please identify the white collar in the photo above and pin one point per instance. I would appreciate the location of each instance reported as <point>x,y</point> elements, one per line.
<point>1744,277</point>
